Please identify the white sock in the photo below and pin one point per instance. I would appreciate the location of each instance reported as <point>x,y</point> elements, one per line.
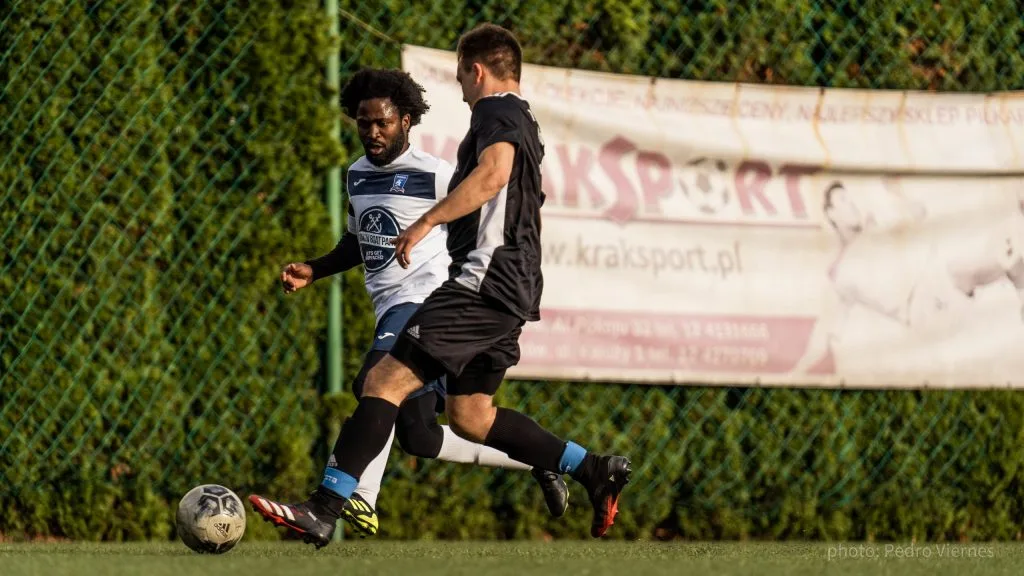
<point>369,482</point>
<point>457,449</point>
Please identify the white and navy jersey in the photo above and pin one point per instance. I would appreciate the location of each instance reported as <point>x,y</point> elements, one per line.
<point>496,249</point>
<point>385,200</point>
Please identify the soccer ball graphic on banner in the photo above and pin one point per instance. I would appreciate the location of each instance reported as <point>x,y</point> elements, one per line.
<point>210,519</point>
<point>706,184</point>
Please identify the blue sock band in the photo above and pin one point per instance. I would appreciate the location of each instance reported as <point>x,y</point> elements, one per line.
<point>572,457</point>
<point>339,482</point>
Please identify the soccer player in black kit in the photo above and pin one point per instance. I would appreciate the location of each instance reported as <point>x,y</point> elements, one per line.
<point>468,329</point>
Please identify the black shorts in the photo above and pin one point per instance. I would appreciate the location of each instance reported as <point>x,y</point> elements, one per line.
<point>462,335</point>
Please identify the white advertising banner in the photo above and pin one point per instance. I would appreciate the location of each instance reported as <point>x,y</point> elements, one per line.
<point>734,234</point>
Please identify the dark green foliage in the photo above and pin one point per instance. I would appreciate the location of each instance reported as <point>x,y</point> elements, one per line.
<point>160,161</point>
<point>731,463</point>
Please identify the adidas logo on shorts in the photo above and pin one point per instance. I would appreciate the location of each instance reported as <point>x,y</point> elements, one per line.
<point>414,331</point>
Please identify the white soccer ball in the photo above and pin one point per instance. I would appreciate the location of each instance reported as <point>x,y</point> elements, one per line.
<point>210,519</point>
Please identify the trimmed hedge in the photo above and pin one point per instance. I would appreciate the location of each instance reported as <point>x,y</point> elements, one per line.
<point>165,161</point>
<point>718,462</point>
<point>159,162</point>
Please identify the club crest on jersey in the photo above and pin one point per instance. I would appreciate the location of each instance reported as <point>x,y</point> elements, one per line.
<point>398,185</point>
<point>378,229</point>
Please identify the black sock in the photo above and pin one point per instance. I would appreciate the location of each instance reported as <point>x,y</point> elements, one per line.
<point>524,440</point>
<point>587,469</point>
<point>364,435</point>
<point>327,503</point>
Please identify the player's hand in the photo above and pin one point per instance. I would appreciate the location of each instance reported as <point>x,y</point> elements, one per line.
<point>409,238</point>
<point>296,276</point>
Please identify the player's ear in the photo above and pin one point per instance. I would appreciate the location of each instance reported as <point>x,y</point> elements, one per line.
<point>478,72</point>
<point>406,122</point>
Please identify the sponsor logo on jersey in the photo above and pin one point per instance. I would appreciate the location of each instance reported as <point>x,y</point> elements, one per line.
<point>378,229</point>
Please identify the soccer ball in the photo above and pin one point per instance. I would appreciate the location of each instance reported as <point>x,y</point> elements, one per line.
<point>706,184</point>
<point>210,519</point>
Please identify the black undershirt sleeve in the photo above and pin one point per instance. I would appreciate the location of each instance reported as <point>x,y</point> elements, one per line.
<point>346,255</point>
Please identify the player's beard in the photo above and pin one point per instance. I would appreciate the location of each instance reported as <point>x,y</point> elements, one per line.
<point>391,151</point>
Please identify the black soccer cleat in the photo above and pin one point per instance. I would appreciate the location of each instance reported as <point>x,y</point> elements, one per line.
<point>556,493</point>
<point>360,515</point>
<point>315,529</point>
<point>607,477</point>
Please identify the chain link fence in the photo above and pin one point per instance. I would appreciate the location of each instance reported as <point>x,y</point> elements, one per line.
<point>159,162</point>
<point>156,160</point>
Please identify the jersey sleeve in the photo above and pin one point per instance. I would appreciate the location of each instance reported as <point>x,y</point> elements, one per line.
<point>494,121</point>
<point>442,179</point>
<point>350,221</point>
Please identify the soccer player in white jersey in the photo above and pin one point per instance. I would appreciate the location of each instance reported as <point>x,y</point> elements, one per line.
<point>389,189</point>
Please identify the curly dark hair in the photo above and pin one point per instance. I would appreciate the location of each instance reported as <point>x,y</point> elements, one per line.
<point>395,85</point>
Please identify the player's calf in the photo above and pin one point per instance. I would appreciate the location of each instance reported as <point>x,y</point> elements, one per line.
<point>603,476</point>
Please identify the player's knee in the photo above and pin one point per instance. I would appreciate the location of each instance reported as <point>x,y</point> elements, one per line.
<point>390,380</point>
<point>420,439</point>
<point>359,383</point>
<point>375,383</point>
<point>471,417</point>
<point>463,431</point>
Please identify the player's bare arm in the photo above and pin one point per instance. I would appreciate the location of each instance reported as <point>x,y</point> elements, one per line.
<point>481,186</point>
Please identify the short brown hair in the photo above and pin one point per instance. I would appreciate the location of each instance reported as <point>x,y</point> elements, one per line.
<point>493,47</point>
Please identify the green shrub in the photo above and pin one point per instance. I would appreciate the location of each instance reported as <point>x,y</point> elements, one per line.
<point>166,160</point>
<point>160,161</point>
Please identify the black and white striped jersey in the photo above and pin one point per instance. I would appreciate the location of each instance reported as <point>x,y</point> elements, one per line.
<point>495,250</point>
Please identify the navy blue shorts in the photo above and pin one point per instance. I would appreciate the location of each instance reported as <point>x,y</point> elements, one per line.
<point>388,329</point>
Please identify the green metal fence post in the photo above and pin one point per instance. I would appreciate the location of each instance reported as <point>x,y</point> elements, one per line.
<point>335,363</point>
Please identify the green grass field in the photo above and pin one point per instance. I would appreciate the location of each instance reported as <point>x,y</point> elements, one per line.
<point>352,558</point>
